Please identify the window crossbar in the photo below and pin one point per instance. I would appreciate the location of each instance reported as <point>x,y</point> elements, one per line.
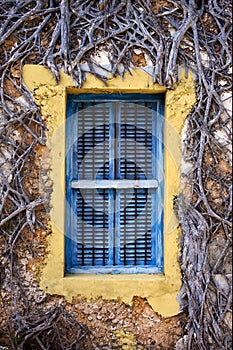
<point>114,184</point>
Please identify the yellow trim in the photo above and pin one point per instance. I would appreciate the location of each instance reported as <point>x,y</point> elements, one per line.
<point>160,290</point>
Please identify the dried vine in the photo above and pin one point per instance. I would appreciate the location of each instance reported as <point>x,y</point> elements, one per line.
<point>70,35</point>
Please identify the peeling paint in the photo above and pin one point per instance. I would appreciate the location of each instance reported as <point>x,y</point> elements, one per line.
<point>125,340</point>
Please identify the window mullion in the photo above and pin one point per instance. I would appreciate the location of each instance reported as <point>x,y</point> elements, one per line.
<point>111,214</point>
<point>117,176</point>
<point>147,227</point>
<point>105,230</point>
<point>124,121</point>
<point>135,191</point>
<point>82,174</point>
<point>93,191</point>
<point>154,194</point>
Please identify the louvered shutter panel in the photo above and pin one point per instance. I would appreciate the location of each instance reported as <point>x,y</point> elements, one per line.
<point>93,121</point>
<point>136,140</point>
<point>135,152</point>
<point>136,159</point>
<point>135,227</point>
<point>93,162</point>
<point>92,228</point>
<point>108,228</point>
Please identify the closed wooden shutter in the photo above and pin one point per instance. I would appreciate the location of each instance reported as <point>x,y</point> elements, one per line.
<point>114,184</point>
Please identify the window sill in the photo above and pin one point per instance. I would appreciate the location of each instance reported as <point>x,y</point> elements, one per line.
<point>115,277</point>
<point>116,270</point>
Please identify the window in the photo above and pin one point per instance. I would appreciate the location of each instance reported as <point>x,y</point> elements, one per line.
<point>161,290</point>
<point>114,183</point>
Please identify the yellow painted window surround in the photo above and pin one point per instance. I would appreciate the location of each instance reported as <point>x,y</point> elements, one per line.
<point>160,290</point>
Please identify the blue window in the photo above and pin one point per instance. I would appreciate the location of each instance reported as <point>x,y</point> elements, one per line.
<point>114,183</point>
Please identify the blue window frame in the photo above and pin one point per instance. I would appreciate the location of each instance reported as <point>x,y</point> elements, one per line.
<point>114,183</point>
